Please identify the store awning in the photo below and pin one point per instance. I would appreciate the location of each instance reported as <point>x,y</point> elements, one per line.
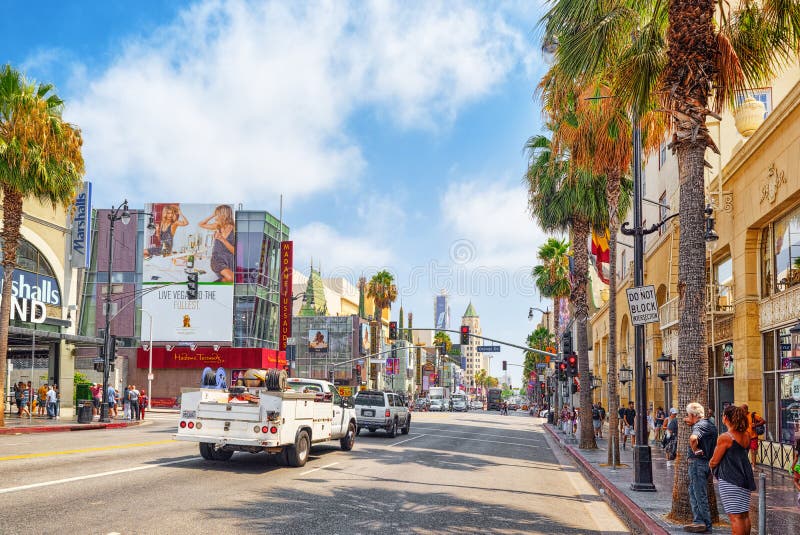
<point>24,335</point>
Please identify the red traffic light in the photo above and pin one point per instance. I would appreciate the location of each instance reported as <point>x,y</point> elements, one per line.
<point>562,366</point>
<point>573,360</point>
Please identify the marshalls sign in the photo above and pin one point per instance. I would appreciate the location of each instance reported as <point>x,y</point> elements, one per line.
<point>642,304</point>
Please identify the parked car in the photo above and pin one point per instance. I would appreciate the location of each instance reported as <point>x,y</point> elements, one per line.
<point>381,410</point>
<point>476,405</point>
<point>421,404</point>
<point>460,405</point>
<point>437,405</point>
<point>513,406</point>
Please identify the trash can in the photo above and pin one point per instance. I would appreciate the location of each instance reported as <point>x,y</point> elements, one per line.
<point>84,411</point>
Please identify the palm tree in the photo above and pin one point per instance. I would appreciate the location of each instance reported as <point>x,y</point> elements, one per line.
<point>382,290</point>
<point>552,275</point>
<point>541,338</point>
<point>480,379</point>
<point>694,56</point>
<point>564,197</point>
<point>442,337</point>
<point>40,156</point>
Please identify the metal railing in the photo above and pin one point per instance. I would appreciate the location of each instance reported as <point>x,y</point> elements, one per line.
<point>774,454</point>
<point>668,313</point>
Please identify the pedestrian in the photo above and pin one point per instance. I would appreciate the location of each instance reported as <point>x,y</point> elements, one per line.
<point>596,423</point>
<point>126,402</point>
<point>96,391</point>
<point>660,417</point>
<point>629,429</point>
<point>602,418</point>
<point>41,399</point>
<point>651,425</point>
<point>58,401</point>
<point>756,425</point>
<point>670,440</point>
<point>134,398</point>
<point>732,469</point>
<point>18,396</point>
<point>24,399</point>
<point>111,395</point>
<point>621,421</point>
<point>143,402</point>
<point>52,398</point>
<point>795,469</point>
<point>565,418</point>
<point>702,443</point>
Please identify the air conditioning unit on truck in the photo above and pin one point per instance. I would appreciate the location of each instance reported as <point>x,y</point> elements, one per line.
<point>269,413</point>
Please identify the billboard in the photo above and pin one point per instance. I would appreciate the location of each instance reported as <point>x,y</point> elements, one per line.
<point>80,233</point>
<point>442,312</point>
<point>318,340</point>
<point>189,238</point>
<point>365,344</point>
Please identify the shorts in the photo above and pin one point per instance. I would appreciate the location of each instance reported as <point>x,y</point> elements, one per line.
<point>596,424</point>
<point>754,444</point>
<point>96,403</point>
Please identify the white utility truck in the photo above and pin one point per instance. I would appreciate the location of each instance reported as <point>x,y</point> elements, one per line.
<point>269,413</point>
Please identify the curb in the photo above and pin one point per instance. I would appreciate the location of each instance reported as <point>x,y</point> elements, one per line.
<point>634,514</point>
<point>63,428</point>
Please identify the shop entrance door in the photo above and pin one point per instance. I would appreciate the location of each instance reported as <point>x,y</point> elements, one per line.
<point>724,398</point>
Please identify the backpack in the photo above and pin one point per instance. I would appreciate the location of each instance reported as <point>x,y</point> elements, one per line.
<point>595,414</point>
<point>759,429</point>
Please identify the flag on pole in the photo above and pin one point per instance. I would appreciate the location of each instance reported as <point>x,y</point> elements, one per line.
<point>601,252</point>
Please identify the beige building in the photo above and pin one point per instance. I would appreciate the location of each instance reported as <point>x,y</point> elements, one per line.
<point>753,296</point>
<point>475,361</point>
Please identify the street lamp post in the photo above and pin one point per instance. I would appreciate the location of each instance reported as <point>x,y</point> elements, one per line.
<point>119,213</point>
<point>150,357</point>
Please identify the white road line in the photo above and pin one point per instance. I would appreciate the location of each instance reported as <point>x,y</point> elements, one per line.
<point>482,434</point>
<point>93,476</point>
<point>404,441</point>
<point>320,468</point>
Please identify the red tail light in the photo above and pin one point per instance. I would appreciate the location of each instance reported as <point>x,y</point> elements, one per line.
<point>388,413</point>
<point>191,425</point>
<point>183,424</point>
<point>273,430</point>
<point>265,429</point>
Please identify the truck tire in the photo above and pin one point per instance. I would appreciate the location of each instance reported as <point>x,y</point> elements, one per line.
<point>349,438</point>
<point>275,380</point>
<point>392,431</point>
<point>407,427</point>
<point>297,455</point>
<point>211,452</point>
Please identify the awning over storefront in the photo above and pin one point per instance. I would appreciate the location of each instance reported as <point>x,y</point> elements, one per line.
<point>24,335</point>
<point>200,357</point>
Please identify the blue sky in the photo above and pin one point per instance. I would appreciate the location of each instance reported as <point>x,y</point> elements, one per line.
<point>394,130</point>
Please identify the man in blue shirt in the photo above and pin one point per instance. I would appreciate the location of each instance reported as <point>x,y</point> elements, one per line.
<point>112,401</point>
<point>702,443</point>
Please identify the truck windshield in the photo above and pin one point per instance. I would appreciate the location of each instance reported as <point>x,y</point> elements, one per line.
<point>305,387</point>
<point>436,396</point>
<point>370,400</point>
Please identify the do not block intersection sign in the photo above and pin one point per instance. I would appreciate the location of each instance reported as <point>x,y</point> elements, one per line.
<point>642,304</point>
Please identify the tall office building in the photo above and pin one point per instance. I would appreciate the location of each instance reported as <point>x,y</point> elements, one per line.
<point>441,311</point>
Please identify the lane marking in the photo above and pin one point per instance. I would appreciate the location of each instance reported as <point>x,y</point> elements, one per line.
<point>404,441</point>
<point>93,476</point>
<point>482,440</point>
<point>84,450</point>
<point>538,439</point>
<point>320,468</point>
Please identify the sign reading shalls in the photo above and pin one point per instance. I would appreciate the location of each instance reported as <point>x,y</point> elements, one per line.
<point>642,305</point>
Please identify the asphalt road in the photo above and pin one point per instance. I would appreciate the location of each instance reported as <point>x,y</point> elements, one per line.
<point>473,472</point>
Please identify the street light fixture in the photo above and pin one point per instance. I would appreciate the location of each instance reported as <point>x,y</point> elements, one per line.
<point>625,374</point>
<point>664,367</point>
<point>119,213</point>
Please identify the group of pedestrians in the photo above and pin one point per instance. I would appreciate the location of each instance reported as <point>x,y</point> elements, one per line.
<point>134,402</point>
<point>47,400</point>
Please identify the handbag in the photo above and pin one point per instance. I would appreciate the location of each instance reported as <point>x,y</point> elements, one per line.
<point>759,429</point>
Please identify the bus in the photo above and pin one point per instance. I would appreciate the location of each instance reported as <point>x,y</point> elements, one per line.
<point>493,399</point>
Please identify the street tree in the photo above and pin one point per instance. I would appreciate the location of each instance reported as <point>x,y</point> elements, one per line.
<point>383,292</point>
<point>695,57</point>
<point>442,337</point>
<point>552,276</point>
<point>40,157</point>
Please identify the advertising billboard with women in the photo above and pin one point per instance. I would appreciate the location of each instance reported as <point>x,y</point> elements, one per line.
<point>197,239</point>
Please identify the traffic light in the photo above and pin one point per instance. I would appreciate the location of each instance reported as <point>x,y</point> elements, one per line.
<point>572,362</point>
<point>505,365</point>
<point>392,330</point>
<point>443,349</point>
<point>192,279</point>
<point>566,345</point>
<point>112,350</point>
<point>464,335</point>
<point>562,370</point>
<point>358,371</point>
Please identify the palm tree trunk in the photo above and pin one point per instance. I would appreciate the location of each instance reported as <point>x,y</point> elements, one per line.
<point>687,83</point>
<point>12,220</point>
<point>612,192</point>
<point>692,353</point>
<point>579,300</point>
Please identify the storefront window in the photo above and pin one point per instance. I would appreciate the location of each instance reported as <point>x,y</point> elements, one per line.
<point>785,351</point>
<point>723,277</point>
<point>766,264</point>
<point>790,406</point>
<point>769,351</point>
<point>787,250</point>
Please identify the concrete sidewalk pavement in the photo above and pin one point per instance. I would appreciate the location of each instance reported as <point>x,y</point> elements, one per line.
<point>42,424</point>
<point>647,510</point>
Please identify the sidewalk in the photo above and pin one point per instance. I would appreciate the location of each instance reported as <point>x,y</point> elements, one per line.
<point>42,424</point>
<point>647,510</point>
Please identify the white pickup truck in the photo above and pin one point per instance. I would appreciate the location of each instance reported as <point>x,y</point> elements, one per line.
<point>283,421</point>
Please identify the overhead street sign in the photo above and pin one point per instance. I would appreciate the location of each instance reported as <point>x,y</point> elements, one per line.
<point>642,305</point>
<point>488,349</point>
<point>541,365</point>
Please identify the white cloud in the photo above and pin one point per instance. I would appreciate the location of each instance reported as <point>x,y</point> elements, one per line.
<point>490,226</point>
<point>340,255</point>
<point>239,101</point>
